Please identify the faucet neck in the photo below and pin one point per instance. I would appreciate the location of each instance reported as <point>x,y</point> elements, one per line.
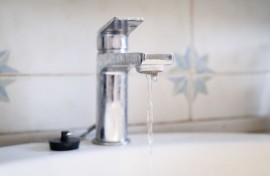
<point>112,43</point>
<point>113,36</point>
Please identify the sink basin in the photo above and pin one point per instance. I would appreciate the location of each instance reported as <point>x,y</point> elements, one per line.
<point>173,154</point>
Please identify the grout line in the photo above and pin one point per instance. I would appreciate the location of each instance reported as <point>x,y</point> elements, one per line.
<point>206,120</point>
<point>178,122</point>
<point>233,73</point>
<point>192,64</point>
<point>191,14</point>
<point>190,102</point>
<point>44,74</point>
<point>190,73</point>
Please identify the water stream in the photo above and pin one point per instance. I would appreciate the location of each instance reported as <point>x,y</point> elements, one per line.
<point>150,118</point>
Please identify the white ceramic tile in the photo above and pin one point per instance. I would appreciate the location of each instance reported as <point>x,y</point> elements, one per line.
<point>59,36</point>
<point>234,96</point>
<point>233,33</point>
<point>166,27</point>
<point>265,98</point>
<point>48,36</point>
<point>48,103</point>
<point>167,107</point>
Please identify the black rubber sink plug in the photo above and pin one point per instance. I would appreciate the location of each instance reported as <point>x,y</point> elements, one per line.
<point>65,142</point>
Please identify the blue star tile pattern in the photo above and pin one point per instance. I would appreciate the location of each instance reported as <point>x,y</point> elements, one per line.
<point>180,85</point>
<point>5,82</point>
<point>3,61</point>
<point>201,63</point>
<point>183,64</point>
<point>3,93</point>
<point>199,85</point>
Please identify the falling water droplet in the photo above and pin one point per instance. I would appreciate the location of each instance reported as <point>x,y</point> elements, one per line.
<point>154,77</point>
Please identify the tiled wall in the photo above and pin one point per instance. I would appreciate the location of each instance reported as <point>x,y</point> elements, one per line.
<point>48,60</point>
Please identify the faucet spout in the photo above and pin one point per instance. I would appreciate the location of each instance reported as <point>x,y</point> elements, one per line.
<point>113,36</point>
<point>154,63</point>
<point>144,63</point>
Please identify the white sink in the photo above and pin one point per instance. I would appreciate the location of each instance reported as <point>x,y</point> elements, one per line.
<point>173,155</point>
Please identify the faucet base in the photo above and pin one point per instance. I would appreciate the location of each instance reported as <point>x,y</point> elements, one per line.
<point>98,142</point>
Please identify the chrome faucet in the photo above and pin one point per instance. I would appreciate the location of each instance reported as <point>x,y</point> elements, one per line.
<point>113,65</point>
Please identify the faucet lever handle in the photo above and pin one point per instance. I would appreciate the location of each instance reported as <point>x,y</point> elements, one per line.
<point>113,36</point>
<point>121,25</point>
